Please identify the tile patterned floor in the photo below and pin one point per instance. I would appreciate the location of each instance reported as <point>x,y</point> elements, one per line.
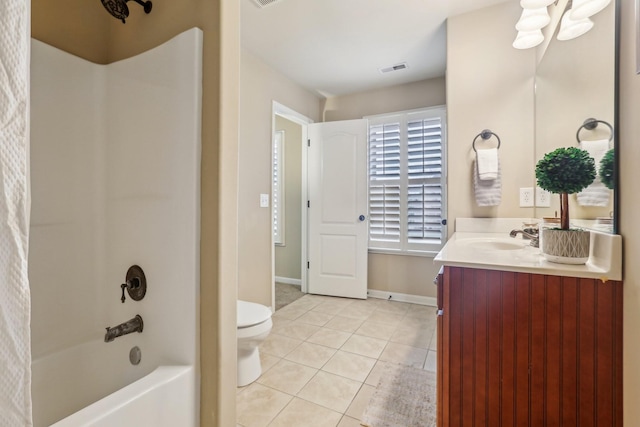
<point>324,356</point>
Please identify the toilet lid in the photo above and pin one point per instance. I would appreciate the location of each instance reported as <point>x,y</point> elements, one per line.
<point>250,314</point>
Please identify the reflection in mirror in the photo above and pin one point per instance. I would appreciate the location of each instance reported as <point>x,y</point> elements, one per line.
<point>575,84</point>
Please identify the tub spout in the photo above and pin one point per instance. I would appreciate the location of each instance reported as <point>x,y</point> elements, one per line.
<point>133,325</point>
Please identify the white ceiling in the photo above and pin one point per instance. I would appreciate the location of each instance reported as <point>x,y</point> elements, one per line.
<point>335,47</point>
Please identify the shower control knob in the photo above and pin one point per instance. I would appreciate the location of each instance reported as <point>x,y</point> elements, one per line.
<point>136,284</point>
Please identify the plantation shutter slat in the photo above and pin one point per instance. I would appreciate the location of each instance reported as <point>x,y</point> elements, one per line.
<point>407,181</point>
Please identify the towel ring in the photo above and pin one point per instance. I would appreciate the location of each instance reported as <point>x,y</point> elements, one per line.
<point>591,124</point>
<point>485,134</point>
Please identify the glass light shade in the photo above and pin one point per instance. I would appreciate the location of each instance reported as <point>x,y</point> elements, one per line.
<point>585,8</point>
<point>570,29</point>
<point>528,39</point>
<point>533,19</point>
<point>535,4</point>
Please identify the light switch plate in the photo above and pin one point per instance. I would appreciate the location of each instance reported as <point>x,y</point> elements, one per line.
<point>264,200</point>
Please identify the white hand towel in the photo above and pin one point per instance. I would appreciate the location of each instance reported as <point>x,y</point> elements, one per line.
<point>487,161</point>
<point>487,192</point>
<point>596,194</point>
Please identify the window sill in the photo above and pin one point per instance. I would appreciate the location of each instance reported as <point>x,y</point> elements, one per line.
<point>425,254</point>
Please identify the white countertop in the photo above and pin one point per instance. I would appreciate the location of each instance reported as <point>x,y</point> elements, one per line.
<point>467,249</point>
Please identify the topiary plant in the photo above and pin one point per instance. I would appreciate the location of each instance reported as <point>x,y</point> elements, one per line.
<point>565,171</point>
<point>606,169</point>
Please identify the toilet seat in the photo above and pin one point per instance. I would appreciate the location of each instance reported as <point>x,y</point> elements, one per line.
<point>250,314</point>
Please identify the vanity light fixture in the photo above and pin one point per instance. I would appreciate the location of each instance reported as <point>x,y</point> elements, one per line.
<point>574,23</point>
<point>528,39</point>
<point>533,19</point>
<point>570,28</point>
<point>535,4</point>
<point>585,8</point>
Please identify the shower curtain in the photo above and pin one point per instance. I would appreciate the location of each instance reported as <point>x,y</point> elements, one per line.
<point>15,349</point>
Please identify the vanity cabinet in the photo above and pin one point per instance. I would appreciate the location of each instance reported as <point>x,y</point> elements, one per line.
<point>521,349</point>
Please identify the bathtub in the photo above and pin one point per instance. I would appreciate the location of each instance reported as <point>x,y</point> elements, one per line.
<point>94,384</point>
<point>164,398</point>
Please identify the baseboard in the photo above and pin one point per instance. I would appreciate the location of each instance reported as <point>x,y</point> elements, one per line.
<point>395,296</point>
<point>289,281</point>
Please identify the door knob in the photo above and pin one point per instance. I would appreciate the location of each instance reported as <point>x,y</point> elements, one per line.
<point>362,217</point>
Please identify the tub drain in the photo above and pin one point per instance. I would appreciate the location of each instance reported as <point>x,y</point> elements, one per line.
<point>135,355</point>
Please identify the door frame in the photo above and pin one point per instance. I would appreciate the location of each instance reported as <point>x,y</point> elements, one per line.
<point>291,115</point>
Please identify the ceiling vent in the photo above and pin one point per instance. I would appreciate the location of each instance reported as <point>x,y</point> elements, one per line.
<point>263,3</point>
<point>396,67</point>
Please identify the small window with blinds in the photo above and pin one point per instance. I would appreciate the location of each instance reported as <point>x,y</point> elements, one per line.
<point>278,188</point>
<point>407,181</point>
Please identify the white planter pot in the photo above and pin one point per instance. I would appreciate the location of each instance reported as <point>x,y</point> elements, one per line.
<point>565,246</point>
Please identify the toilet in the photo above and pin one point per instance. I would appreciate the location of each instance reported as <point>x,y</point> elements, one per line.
<point>254,324</point>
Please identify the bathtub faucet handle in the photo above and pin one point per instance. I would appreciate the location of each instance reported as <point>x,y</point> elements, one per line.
<point>122,298</point>
<point>131,285</point>
<point>135,284</point>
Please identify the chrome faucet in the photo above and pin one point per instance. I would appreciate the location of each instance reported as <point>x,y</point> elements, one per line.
<point>531,234</point>
<point>132,325</point>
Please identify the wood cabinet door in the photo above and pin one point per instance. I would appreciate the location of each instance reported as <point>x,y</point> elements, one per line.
<point>526,349</point>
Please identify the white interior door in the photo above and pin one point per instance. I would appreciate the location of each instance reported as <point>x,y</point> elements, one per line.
<point>338,231</point>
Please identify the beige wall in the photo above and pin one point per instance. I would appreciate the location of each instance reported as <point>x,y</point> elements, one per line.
<point>489,86</point>
<point>288,257</point>
<point>393,273</point>
<point>629,206</point>
<point>425,93</point>
<point>77,27</point>
<point>260,86</point>
<point>87,30</point>
<point>402,274</point>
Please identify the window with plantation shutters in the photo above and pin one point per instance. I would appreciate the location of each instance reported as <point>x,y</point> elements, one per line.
<point>407,181</point>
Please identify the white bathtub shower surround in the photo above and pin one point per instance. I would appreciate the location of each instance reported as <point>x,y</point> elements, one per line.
<point>15,354</point>
<point>115,176</point>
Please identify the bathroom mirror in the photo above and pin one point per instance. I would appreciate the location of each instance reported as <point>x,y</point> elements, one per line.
<point>577,80</point>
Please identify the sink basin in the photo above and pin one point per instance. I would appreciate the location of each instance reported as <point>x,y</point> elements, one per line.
<point>494,244</point>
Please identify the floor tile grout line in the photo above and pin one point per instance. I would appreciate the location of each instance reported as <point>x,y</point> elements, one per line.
<point>417,320</point>
<point>350,402</point>
<point>297,395</point>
